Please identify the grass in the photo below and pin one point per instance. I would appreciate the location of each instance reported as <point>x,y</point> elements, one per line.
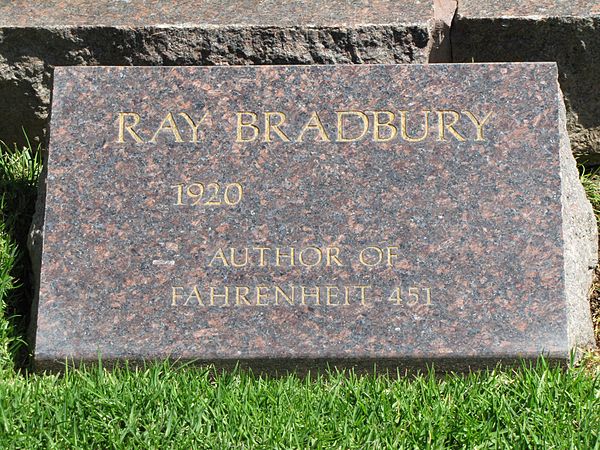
<point>8,256</point>
<point>163,406</point>
<point>590,179</point>
<point>591,183</point>
<point>19,172</point>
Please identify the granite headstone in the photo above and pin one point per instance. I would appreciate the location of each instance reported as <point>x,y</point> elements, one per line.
<point>291,217</point>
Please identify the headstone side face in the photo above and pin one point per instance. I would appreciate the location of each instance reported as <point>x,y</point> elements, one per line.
<point>369,214</point>
<point>580,233</point>
<point>565,32</point>
<point>161,33</point>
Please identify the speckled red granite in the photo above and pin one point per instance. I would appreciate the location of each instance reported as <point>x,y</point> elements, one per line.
<point>477,222</point>
<point>148,13</point>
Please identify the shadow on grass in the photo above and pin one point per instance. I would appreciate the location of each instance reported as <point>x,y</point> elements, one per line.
<point>19,173</point>
<point>590,178</point>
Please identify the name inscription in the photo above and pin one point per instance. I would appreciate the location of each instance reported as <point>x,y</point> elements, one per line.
<point>443,125</point>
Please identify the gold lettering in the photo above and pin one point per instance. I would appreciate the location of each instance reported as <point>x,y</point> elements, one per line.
<point>326,295</point>
<point>261,251</point>
<point>396,296</point>
<point>428,290</point>
<point>391,255</point>
<point>363,258</point>
<point>478,123</point>
<point>128,127</point>
<point>279,256</point>
<point>318,253</point>
<point>314,124</point>
<point>340,125</point>
<point>175,295</point>
<point>241,297</point>
<point>346,295</point>
<point>333,255</point>
<point>171,126</point>
<point>363,299</point>
<point>306,294</point>
<point>288,298</point>
<point>404,127</point>
<point>234,263</point>
<point>444,126</point>
<point>331,292</point>
<point>221,256</point>
<point>414,293</point>
<point>378,124</point>
<point>193,126</point>
<point>260,295</point>
<point>251,125</point>
<point>224,296</point>
<point>194,294</point>
<point>269,126</point>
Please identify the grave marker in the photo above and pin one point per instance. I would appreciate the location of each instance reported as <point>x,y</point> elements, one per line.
<point>290,217</point>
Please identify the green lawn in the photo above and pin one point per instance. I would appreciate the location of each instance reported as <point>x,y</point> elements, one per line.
<point>162,407</point>
<point>186,407</point>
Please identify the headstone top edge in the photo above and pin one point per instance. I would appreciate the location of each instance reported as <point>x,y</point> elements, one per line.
<point>530,10</point>
<point>228,13</point>
<point>62,70</point>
